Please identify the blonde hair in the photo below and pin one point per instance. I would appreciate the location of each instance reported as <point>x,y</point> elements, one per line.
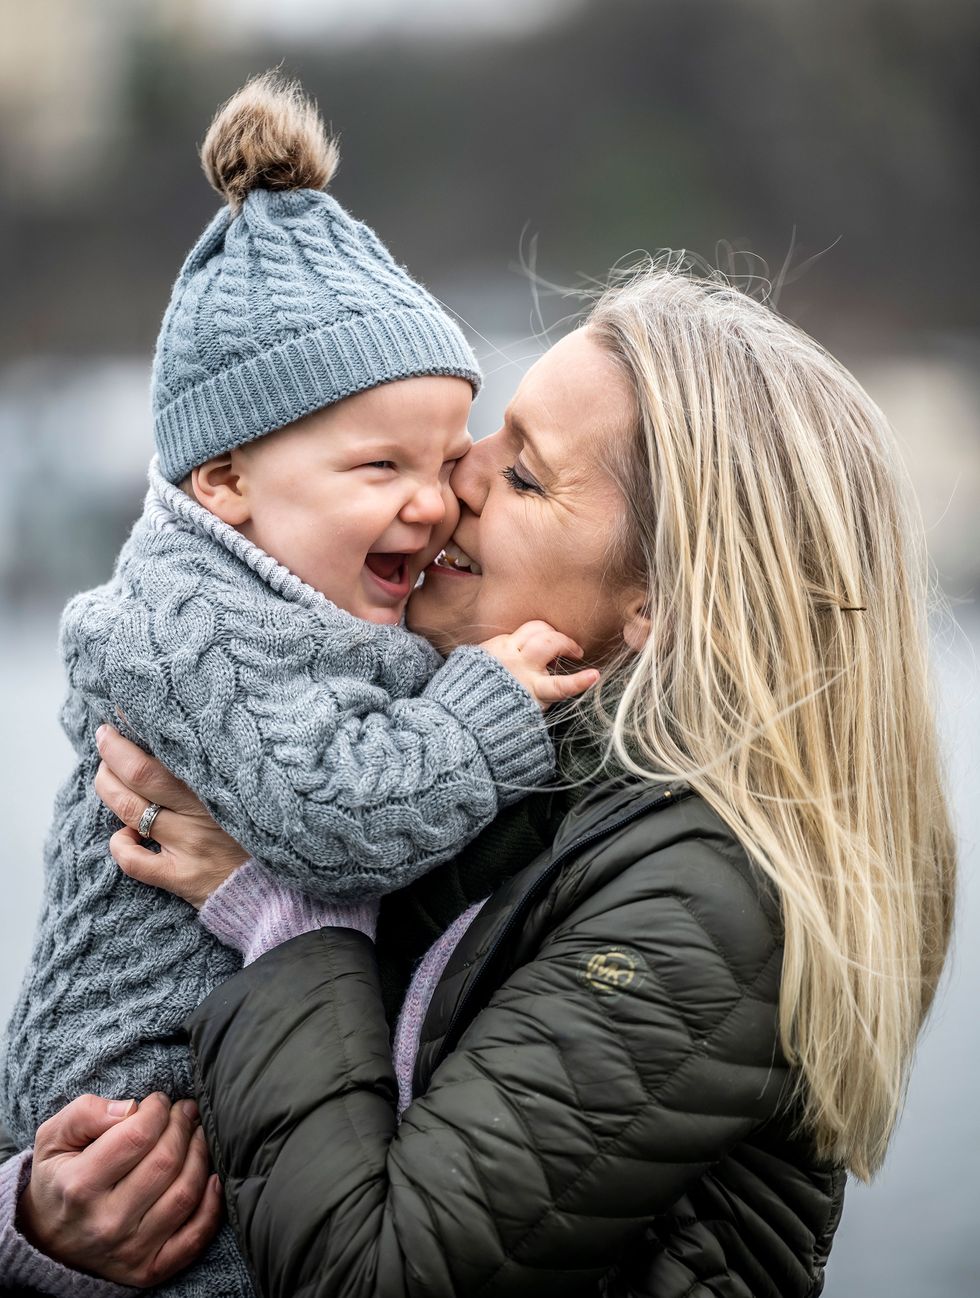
<point>785,675</point>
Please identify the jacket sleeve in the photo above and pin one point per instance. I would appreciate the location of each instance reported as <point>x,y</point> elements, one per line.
<point>603,1078</point>
<point>342,789</point>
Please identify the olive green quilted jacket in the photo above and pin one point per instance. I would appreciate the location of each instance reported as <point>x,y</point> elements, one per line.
<point>602,1106</point>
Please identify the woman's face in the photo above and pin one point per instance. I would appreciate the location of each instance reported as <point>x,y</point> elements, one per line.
<point>538,513</point>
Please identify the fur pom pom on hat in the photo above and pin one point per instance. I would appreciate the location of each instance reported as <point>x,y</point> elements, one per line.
<point>286,304</point>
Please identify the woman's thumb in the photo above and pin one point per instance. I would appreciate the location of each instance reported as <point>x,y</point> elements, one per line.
<point>74,1127</point>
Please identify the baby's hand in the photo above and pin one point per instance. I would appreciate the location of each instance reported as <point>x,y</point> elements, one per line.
<point>527,653</point>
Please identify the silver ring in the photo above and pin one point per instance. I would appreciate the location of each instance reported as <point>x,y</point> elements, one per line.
<point>145,827</point>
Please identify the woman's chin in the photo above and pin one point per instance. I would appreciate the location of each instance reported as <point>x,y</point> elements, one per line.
<point>446,611</point>
<point>440,638</point>
<point>428,616</point>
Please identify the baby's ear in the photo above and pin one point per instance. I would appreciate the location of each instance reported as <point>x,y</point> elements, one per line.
<point>220,487</point>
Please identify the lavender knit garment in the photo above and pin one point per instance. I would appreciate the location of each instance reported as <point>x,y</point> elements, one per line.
<point>252,912</point>
<point>425,980</point>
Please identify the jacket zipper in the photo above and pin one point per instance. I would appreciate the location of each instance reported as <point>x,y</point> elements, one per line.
<point>670,795</point>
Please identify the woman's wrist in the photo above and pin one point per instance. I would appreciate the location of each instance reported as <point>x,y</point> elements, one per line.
<point>253,912</point>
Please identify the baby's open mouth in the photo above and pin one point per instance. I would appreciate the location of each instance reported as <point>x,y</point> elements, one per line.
<point>387,566</point>
<point>390,571</point>
<point>458,560</point>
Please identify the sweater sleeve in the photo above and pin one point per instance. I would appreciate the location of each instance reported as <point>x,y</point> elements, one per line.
<point>21,1265</point>
<point>344,789</point>
<point>598,1084</point>
<point>252,912</point>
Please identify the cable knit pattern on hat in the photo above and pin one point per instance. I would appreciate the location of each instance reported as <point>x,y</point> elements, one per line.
<point>282,308</point>
<point>345,755</point>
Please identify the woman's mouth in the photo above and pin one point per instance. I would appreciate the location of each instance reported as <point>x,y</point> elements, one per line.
<point>390,573</point>
<point>455,560</point>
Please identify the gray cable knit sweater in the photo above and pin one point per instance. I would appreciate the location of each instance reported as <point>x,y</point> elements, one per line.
<point>344,755</point>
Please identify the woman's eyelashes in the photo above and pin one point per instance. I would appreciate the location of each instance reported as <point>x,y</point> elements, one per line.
<point>519,483</point>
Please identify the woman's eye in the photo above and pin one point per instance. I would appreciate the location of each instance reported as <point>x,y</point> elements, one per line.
<point>519,483</point>
<point>379,464</point>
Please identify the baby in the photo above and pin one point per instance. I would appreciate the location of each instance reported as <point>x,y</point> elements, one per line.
<point>310,400</point>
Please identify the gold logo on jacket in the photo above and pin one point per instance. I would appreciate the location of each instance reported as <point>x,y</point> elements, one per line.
<point>611,971</point>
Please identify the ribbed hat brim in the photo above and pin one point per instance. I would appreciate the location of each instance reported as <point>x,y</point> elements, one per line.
<point>276,387</point>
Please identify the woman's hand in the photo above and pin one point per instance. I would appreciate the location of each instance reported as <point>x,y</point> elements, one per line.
<point>196,854</point>
<point>122,1190</point>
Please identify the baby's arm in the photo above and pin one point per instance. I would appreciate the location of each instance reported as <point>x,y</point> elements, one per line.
<point>342,790</point>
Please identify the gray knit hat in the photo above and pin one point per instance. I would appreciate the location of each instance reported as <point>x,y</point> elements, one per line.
<point>286,304</point>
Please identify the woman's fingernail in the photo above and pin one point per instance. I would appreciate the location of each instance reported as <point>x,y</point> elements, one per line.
<point>120,1108</point>
<point>188,1108</point>
<point>100,735</point>
<point>215,1184</point>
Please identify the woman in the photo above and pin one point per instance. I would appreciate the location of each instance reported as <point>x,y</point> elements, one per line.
<point>645,1063</point>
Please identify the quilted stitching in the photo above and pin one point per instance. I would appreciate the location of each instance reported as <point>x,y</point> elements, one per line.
<point>574,1142</point>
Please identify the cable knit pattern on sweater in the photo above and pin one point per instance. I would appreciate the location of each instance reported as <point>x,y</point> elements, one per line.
<point>342,754</point>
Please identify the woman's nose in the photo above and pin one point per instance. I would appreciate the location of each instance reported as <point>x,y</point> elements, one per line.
<point>427,505</point>
<point>473,474</point>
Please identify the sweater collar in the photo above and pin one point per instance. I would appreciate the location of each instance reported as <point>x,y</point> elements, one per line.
<point>168,507</point>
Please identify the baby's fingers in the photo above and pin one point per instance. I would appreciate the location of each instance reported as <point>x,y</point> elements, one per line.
<point>539,644</point>
<point>552,689</point>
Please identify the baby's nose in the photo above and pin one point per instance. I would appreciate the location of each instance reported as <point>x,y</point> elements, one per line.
<point>428,505</point>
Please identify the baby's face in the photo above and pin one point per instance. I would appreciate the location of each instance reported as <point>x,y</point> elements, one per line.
<point>355,498</point>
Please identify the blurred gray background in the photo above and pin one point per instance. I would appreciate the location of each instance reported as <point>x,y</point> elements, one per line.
<point>835,141</point>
